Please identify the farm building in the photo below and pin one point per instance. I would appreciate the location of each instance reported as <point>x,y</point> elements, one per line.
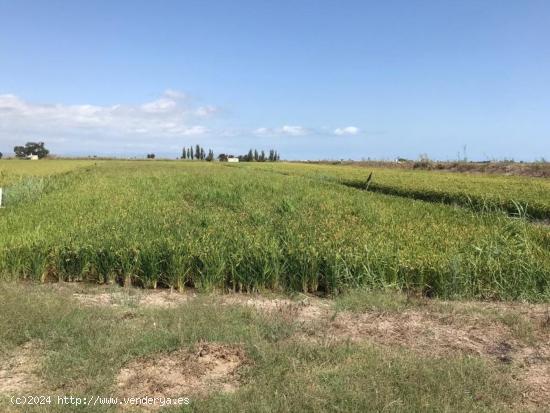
<point>232,159</point>
<point>33,157</point>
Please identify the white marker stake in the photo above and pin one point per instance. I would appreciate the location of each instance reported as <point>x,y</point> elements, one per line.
<point>1,206</point>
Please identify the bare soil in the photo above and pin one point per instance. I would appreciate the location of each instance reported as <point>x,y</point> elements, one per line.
<point>114,296</point>
<point>212,367</point>
<point>18,370</point>
<point>307,309</point>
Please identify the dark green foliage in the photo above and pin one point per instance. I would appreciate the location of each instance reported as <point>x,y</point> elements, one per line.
<point>197,153</point>
<point>210,156</point>
<point>31,148</point>
<point>255,156</point>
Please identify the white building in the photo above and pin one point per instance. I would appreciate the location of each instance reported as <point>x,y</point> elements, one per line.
<point>232,159</point>
<point>33,157</point>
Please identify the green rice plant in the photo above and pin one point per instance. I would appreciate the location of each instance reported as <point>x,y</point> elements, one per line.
<point>479,192</point>
<point>276,227</point>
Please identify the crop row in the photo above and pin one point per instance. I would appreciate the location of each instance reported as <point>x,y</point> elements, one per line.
<point>512,194</point>
<point>212,226</point>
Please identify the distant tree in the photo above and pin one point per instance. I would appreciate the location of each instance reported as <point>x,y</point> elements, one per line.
<point>20,152</point>
<point>192,155</point>
<point>31,148</point>
<point>255,155</point>
<point>183,153</point>
<point>39,149</point>
<point>262,156</point>
<point>197,152</point>
<point>1,154</point>
<point>210,156</point>
<point>150,156</point>
<point>222,157</point>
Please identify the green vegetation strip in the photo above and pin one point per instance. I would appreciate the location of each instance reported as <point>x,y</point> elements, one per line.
<point>524,196</point>
<point>180,224</point>
<point>481,204</point>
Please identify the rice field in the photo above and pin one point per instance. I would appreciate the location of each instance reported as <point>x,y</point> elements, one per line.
<point>279,227</point>
<point>13,171</point>
<point>515,195</point>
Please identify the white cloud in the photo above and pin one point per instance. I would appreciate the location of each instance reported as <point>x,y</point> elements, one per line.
<point>263,131</point>
<point>170,116</point>
<point>348,130</point>
<point>288,130</point>
<point>174,94</point>
<point>164,104</point>
<point>193,131</point>
<point>293,130</point>
<point>204,111</point>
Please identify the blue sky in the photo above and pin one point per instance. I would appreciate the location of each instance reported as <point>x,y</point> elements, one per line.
<point>313,79</point>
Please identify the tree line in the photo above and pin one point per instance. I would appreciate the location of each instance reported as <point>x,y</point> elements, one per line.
<point>198,153</point>
<point>255,156</point>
